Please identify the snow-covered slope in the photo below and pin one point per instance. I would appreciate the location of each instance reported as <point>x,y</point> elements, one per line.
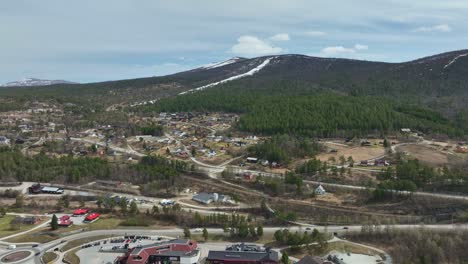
<point>249,73</point>
<point>220,64</point>
<point>33,82</point>
<point>454,60</point>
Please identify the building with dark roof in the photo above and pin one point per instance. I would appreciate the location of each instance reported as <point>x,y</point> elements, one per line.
<point>180,251</point>
<point>313,260</point>
<point>27,220</point>
<point>242,253</point>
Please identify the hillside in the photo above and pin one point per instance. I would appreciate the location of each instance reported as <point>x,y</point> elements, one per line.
<point>443,76</point>
<point>289,93</point>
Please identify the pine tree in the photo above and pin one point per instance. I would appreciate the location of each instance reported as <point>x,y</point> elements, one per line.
<point>285,258</point>
<point>187,232</point>
<point>260,230</point>
<point>54,223</point>
<point>205,234</point>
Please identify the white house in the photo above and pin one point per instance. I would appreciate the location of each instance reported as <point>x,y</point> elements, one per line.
<point>4,141</point>
<point>320,190</point>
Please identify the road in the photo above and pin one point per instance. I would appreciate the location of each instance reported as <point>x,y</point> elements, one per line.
<point>110,146</point>
<point>177,232</point>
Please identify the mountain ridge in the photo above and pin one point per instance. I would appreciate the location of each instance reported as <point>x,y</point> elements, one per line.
<point>31,82</point>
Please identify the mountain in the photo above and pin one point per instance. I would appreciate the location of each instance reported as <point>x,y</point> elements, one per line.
<point>34,82</point>
<point>441,79</point>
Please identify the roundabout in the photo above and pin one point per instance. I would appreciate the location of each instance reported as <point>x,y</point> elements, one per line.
<point>18,256</point>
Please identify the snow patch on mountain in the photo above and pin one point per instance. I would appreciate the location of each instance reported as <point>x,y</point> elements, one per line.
<point>220,64</point>
<point>33,82</point>
<point>249,73</point>
<point>455,59</point>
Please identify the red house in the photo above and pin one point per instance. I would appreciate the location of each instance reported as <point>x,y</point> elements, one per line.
<point>80,211</point>
<point>64,218</point>
<point>91,217</point>
<point>65,223</point>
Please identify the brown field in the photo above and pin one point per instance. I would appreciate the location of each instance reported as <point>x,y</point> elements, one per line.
<point>426,154</point>
<point>358,153</point>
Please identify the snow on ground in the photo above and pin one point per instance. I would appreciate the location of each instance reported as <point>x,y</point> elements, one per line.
<point>220,64</point>
<point>249,73</point>
<point>454,60</point>
<point>357,258</point>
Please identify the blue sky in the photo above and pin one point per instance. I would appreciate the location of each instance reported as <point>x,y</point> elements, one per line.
<point>89,40</point>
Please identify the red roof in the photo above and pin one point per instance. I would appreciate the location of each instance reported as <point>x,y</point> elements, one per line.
<point>67,222</point>
<point>65,217</point>
<point>91,217</point>
<point>80,211</point>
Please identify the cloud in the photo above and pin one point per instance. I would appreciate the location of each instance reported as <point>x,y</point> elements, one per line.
<point>443,28</point>
<point>336,50</point>
<point>315,33</point>
<point>253,46</point>
<point>280,37</point>
<point>361,47</point>
<point>341,51</point>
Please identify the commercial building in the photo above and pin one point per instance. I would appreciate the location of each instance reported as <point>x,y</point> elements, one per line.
<point>183,251</point>
<point>242,253</point>
<point>313,260</point>
<point>207,198</point>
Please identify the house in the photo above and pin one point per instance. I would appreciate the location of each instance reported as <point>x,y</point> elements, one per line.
<point>207,198</point>
<point>27,220</point>
<point>80,211</point>
<point>252,160</point>
<point>166,202</point>
<point>4,141</point>
<point>381,162</point>
<point>65,221</point>
<point>249,176</point>
<point>313,260</point>
<point>241,253</point>
<point>91,217</point>
<point>180,251</point>
<point>35,188</point>
<point>320,190</point>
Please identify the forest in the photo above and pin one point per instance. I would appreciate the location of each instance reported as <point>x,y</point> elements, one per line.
<point>295,108</point>
<point>282,148</point>
<point>42,168</point>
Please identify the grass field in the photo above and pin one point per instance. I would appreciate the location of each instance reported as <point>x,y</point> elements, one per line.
<point>81,241</point>
<point>5,227</point>
<point>71,257</point>
<point>339,246</point>
<point>45,234</point>
<point>48,257</point>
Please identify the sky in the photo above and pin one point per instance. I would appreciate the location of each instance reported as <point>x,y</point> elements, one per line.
<point>90,40</point>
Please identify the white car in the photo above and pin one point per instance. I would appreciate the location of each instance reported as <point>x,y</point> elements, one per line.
<point>11,246</point>
<point>197,230</point>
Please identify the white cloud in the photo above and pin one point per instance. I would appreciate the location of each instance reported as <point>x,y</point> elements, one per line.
<point>436,28</point>
<point>361,47</point>
<point>341,51</point>
<point>280,37</point>
<point>336,50</point>
<point>253,46</point>
<point>315,33</point>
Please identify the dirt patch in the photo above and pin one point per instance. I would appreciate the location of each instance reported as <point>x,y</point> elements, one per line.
<point>428,155</point>
<point>358,153</point>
